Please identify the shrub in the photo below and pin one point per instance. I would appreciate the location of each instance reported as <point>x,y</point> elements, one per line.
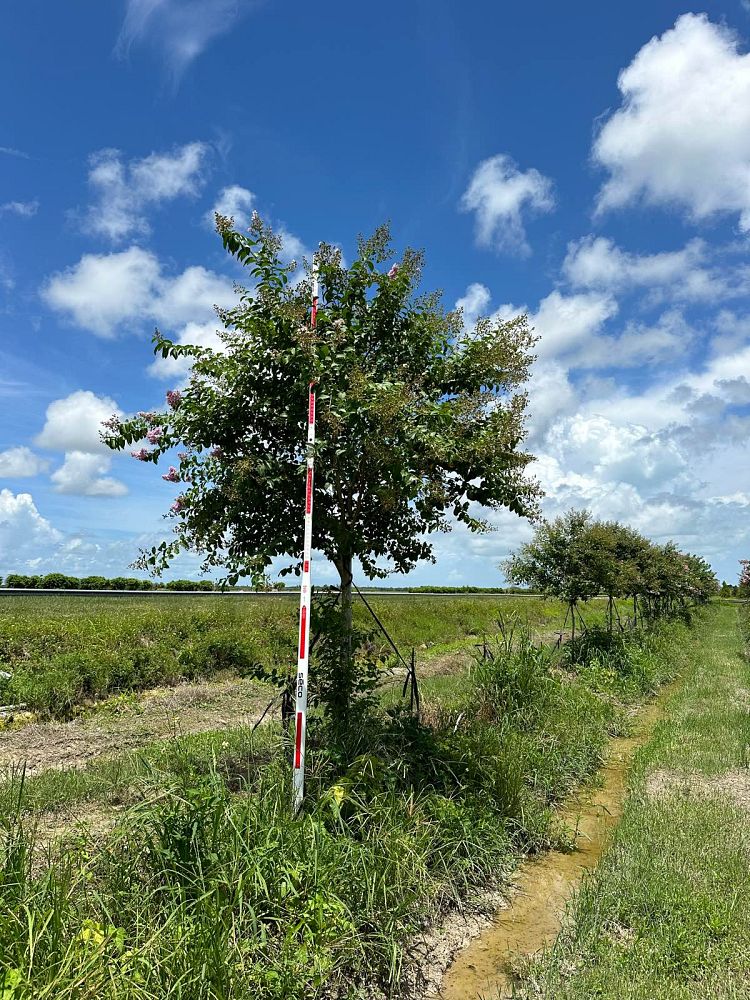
<point>512,673</point>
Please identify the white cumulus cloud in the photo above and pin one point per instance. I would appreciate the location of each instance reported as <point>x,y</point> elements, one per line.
<point>104,292</point>
<point>74,422</point>
<point>620,452</point>
<point>498,194</point>
<point>292,247</point>
<point>668,339</point>
<point>24,533</point>
<point>681,136</point>
<point>21,461</point>
<point>235,202</point>
<point>597,262</point>
<point>189,296</point>
<point>568,324</point>
<point>195,334</point>
<point>73,426</point>
<point>474,303</point>
<point>239,203</point>
<point>84,474</point>
<point>125,190</point>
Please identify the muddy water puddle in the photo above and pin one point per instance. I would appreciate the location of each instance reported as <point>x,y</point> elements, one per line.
<point>544,885</point>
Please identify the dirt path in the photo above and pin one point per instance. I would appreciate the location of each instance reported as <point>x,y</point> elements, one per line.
<point>532,917</point>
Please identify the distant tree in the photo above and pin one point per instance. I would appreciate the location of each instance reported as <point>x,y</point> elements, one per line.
<point>701,583</point>
<point>58,581</point>
<point>743,584</point>
<point>557,561</point>
<point>673,580</point>
<point>187,585</point>
<point>574,558</point>
<point>420,422</point>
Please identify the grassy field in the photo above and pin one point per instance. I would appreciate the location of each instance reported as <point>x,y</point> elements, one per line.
<point>667,914</point>
<point>207,888</point>
<point>64,652</point>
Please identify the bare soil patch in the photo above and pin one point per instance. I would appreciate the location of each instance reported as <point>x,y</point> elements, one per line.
<point>64,825</point>
<point>733,785</point>
<point>118,726</point>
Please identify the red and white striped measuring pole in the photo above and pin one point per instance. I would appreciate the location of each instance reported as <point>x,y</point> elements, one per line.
<point>300,726</point>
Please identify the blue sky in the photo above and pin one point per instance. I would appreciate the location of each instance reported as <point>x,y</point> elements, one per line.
<point>586,163</point>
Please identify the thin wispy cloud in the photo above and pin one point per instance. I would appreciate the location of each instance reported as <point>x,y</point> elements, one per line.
<point>7,281</point>
<point>182,29</point>
<point>23,208</point>
<point>10,151</point>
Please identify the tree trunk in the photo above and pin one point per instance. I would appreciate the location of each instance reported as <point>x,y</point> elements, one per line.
<point>344,566</point>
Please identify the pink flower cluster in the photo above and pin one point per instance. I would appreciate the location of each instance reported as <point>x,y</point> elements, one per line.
<point>147,415</point>
<point>178,504</point>
<point>174,398</point>
<point>393,271</point>
<point>172,476</point>
<point>155,434</point>
<point>217,452</point>
<point>112,423</point>
<point>143,455</point>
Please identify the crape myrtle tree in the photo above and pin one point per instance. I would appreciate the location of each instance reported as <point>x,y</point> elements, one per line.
<point>673,579</point>
<point>575,558</point>
<point>420,423</point>
<point>557,561</point>
<point>703,583</point>
<point>612,552</point>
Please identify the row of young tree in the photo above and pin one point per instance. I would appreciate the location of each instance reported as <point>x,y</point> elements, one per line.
<point>61,581</point>
<point>576,557</point>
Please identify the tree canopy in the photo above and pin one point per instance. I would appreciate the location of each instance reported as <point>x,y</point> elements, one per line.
<point>420,421</point>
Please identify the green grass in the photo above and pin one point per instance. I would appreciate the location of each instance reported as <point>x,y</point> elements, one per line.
<point>64,652</point>
<point>209,889</point>
<point>667,913</point>
<point>128,777</point>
